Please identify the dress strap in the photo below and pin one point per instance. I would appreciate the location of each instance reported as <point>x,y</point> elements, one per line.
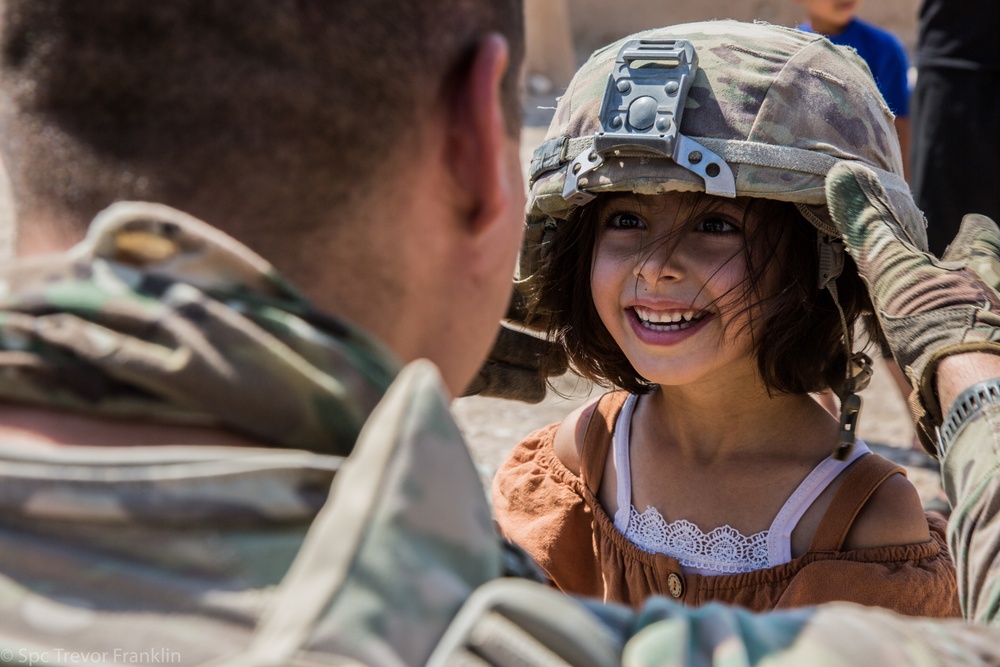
<point>597,440</point>
<point>623,466</point>
<point>867,474</point>
<point>779,535</point>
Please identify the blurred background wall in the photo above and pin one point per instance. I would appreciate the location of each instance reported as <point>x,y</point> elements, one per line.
<point>562,33</point>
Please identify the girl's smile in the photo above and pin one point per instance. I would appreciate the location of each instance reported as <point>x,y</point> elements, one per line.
<point>668,326</point>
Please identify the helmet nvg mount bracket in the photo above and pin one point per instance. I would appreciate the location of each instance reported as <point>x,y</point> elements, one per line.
<point>641,114</point>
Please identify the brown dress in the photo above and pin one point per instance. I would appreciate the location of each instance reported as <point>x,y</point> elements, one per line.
<point>556,517</point>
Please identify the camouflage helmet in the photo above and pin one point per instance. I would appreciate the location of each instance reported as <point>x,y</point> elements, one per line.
<point>730,108</point>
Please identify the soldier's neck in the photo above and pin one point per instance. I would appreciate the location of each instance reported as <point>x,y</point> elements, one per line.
<point>44,232</point>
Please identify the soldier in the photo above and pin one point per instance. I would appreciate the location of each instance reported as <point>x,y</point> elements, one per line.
<point>174,408</point>
<point>370,151</point>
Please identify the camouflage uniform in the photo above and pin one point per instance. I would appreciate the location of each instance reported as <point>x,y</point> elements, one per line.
<point>147,555</point>
<point>156,314</point>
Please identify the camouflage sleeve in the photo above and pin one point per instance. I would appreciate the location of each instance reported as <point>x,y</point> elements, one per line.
<point>836,634</point>
<point>512,623</point>
<point>969,470</point>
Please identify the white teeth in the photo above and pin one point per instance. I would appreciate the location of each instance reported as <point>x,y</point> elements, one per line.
<point>667,321</point>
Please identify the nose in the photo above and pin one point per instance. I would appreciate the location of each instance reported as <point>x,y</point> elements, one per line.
<point>662,261</point>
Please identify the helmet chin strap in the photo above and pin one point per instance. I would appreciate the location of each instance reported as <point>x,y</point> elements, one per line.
<point>859,368</point>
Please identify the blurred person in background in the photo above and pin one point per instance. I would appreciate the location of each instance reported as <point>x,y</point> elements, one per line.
<point>956,126</point>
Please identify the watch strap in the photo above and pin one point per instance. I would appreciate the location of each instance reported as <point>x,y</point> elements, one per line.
<point>966,407</point>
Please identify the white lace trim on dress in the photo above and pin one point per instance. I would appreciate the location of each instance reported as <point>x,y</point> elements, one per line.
<point>724,550</point>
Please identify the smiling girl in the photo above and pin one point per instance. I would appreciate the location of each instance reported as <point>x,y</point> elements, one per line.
<point>688,264</point>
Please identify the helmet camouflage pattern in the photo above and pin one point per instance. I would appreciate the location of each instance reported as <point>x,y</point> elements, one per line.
<point>776,107</point>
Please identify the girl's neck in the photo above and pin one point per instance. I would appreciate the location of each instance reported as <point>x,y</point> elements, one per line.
<point>709,425</point>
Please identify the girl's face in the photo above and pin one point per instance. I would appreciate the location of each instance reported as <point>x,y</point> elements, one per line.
<point>670,282</point>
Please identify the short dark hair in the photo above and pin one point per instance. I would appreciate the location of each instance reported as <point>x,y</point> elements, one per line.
<point>795,328</point>
<point>220,106</point>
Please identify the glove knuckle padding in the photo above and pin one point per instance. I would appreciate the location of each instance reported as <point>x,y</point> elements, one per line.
<point>862,209</point>
<point>977,236</point>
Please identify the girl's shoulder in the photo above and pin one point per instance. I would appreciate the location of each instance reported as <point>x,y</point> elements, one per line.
<point>571,435</point>
<point>893,516</point>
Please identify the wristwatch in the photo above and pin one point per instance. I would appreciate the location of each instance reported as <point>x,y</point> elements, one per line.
<point>966,407</point>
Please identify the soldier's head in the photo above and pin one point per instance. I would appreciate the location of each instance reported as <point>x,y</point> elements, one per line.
<point>304,128</point>
<point>705,147</point>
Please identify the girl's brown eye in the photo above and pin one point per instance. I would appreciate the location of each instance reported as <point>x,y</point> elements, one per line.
<point>717,226</point>
<point>626,221</point>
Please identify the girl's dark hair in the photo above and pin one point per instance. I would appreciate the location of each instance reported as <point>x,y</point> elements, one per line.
<point>794,326</point>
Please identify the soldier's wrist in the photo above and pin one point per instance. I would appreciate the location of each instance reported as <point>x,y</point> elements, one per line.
<point>956,373</point>
<point>967,406</point>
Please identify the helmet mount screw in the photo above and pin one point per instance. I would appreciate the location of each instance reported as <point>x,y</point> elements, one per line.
<point>624,87</point>
<point>663,124</point>
<point>694,157</point>
<point>616,122</point>
<point>672,87</point>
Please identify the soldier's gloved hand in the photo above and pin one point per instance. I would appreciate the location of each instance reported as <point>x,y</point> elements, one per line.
<point>929,308</point>
<point>518,367</point>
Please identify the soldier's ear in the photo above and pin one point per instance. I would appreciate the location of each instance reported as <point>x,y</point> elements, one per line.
<point>478,135</point>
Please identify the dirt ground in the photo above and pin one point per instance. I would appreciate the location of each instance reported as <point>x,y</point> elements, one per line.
<point>493,426</point>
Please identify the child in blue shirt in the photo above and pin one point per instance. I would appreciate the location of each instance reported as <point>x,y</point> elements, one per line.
<point>879,48</point>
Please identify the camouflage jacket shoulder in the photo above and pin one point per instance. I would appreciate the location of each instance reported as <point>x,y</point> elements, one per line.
<point>160,316</point>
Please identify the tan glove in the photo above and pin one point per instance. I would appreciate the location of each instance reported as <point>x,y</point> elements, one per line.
<point>929,308</point>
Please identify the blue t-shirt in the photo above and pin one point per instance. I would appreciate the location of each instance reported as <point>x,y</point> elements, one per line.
<point>885,56</point>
